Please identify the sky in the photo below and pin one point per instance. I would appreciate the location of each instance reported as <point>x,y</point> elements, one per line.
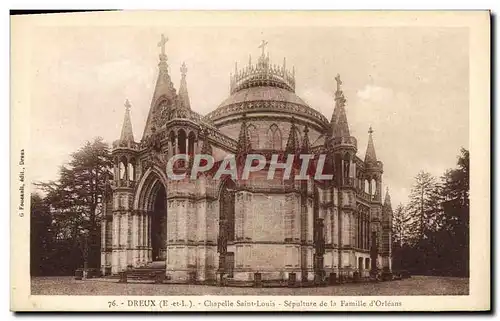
<point>411,84</point>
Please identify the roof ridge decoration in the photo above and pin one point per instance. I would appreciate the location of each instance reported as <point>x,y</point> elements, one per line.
<point>263,73</point>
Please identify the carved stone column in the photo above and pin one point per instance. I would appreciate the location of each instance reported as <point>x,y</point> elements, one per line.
<point>144,238</point>
<point>148,229</point>
<point>135,239</point>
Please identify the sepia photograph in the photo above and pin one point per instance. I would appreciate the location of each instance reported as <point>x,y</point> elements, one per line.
<point>256,163</point>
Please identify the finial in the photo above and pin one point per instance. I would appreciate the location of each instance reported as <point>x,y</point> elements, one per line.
<point>127,105</point>
<point>339,82</point>
<point>306,129</point>
<point>184,69</point>
<point>263,45</point>
<point>293,71</point>
<point>370,131</point>
<point>292,120</point>
<point>387,189</point>
<point>162,43</point>
<point>235,67</point>
<point>249,60</point>
<point>284,62</point>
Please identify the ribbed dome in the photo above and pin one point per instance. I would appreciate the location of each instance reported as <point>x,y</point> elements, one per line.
<point>265,99</point>
<point>261,94</point>
<point>264,90</point>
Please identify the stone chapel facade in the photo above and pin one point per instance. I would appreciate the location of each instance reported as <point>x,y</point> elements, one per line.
<point>200,229</point>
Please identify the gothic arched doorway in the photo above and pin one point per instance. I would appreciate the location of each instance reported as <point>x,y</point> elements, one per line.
<point>151,203</point>
<point>159,224</point>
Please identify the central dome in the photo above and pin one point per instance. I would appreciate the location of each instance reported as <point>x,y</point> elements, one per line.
<point>265,90</point>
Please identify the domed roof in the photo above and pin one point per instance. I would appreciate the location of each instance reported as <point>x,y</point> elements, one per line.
<point>264,88</point>
<point>261,94</point>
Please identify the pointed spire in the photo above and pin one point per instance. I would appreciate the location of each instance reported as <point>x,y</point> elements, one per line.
<point>292,144</point>
<point>183,92</point>
<point>127,133</point>
<point>339,124</point>
<point>306,145</point>
<point>387,201</point>
<point>244,138</point>
<point>370,156</point>
<point>206,148</point>
<point>387,208</point>
<point>164,88</point>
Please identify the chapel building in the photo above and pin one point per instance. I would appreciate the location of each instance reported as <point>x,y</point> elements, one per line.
<point>198,230</point>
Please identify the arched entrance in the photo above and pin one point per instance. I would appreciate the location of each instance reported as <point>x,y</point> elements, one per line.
<point>159,224</point>
<point>151,200</point>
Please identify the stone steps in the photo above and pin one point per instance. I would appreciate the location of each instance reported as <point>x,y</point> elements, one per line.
<point>154,271</point>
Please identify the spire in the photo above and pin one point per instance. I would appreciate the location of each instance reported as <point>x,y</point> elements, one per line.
<point>164,88</point>
<point>292,144</point>
<point>183,92</point>
<point>206,148</point>
<point>387,209</point>
<point>370,156</point>
<point>244,139</point>
<point>127,133</point>
<point>387,201</point>
<point>306,145</point>
<point>339,124</point>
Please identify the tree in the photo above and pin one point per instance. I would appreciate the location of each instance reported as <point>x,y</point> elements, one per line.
<point>76,200</point>
<point>436,239</point>
<point>400,225</point>
<point>424,207</point>
<point>41,235</point>
<point>456,209</point>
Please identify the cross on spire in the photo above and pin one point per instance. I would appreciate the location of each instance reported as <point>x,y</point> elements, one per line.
<point>127,105</point>
<point>339,82</point>
<point>263,45</point>
<point>370,130</point>
<point>162,43</point>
